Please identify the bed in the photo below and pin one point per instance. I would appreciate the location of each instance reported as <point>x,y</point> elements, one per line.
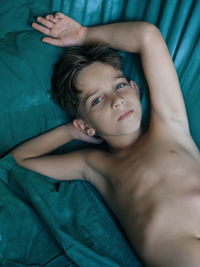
<point>45,222</point>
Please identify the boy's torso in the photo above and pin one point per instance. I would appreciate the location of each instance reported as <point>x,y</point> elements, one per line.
<point>153,188</point>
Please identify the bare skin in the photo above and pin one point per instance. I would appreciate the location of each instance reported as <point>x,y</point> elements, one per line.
<point>153,189</point>
<point>151,180</point>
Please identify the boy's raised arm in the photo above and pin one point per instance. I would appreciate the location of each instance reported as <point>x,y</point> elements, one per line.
<point>167,104</point>
<point>32,154</point>
<point>43,144</point>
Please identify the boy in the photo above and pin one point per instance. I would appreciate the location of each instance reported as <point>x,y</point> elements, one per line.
<point>151,180</point>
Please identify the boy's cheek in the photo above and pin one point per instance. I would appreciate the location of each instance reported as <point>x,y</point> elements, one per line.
<point>99,121</point>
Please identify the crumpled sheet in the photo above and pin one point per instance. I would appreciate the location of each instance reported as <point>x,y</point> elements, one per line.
<point>44,222</point>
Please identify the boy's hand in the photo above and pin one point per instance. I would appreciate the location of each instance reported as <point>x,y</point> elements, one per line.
<point>79,135</point>
<point>63,30</point>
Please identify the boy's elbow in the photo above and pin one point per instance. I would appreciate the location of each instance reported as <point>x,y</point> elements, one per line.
<point>19,160</point>
<point>150,33</point>
<point>151,38</point>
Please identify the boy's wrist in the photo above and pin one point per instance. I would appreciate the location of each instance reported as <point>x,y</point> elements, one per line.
<point>89,35</point>
<point>84,35</point>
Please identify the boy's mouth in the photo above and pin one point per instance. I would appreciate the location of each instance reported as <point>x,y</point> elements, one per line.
<point>125,115</point>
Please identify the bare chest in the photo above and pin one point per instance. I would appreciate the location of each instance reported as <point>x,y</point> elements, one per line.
<point>163,170</point>
<point>147,182</point>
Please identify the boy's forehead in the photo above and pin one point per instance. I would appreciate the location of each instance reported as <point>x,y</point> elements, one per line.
<point>95,75</point>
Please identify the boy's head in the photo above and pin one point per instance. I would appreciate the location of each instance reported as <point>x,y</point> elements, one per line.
<point>89,84</point>
<point>65,90</point>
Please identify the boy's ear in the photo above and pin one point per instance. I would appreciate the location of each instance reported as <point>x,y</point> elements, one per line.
<point>135,86</point>
<point>82,126</point>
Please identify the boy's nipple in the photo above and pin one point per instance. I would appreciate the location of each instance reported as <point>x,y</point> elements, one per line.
<point>118,184</point>
<point>173,152</point>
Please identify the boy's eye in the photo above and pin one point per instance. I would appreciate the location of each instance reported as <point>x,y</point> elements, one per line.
<point>120,85</point>
<point>96,101</point>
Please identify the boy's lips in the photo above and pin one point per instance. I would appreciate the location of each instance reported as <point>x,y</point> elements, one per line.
<point>125,115</point>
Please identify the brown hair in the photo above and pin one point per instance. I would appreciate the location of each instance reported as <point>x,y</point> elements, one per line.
<point>67,69</point>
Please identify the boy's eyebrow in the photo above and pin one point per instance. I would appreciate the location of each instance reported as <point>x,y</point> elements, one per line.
<point>119,76</point>
<point>85,99</point>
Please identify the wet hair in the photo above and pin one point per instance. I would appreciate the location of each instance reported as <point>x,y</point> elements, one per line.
<point>65,91</point>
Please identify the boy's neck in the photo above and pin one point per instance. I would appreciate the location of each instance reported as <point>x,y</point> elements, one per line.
<point>117,143</point>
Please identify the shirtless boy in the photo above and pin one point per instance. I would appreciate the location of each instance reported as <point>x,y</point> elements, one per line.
<point>151,180</point>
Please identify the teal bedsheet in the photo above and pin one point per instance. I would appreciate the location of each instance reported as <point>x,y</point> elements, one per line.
<point>44,222</point>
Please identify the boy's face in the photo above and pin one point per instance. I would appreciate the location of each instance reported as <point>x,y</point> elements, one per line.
<point>108,102</point>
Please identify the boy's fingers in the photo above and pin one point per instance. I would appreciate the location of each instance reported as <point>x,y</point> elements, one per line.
<point>52,41</point>
<point>58,15</point>
<point>40,28</point>
<point>94,140</point>
<point>45,22</point>
<point>98,141</point>
<point>51,18</point>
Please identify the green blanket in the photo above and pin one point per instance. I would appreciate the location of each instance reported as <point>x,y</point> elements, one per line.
<point>44,222</point>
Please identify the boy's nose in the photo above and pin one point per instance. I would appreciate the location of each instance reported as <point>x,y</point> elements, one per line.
<point>117,102</point>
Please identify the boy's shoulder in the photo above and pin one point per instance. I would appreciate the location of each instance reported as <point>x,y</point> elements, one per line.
<point>97,159</point>
<point>98,163</point>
